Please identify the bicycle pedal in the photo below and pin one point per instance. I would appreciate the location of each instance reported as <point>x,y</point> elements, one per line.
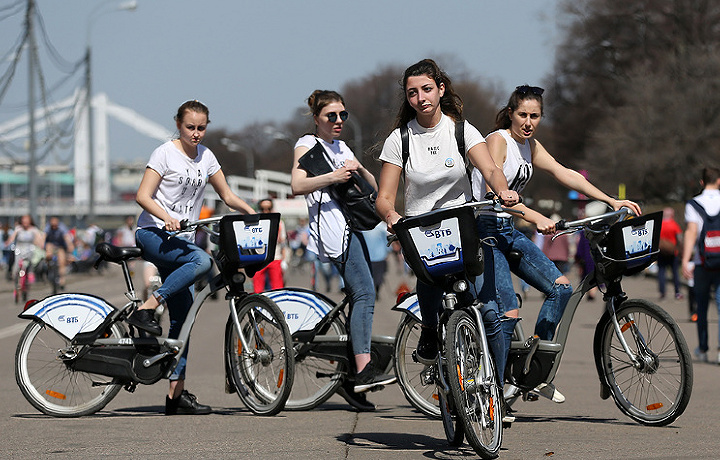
<point>377,388</point>
<point>506,425</point>
<point>530,397</point>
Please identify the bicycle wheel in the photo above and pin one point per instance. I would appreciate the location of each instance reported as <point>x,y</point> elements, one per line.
<point>416,380</point>
<point>656,390</point>
<point>316,378</point>
<point>262,372</point>
<point>49,384</point>
<point>475,390</point>
<point>452,424</point>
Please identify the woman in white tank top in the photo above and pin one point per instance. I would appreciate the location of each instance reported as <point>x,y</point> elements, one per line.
<point>514,146</point>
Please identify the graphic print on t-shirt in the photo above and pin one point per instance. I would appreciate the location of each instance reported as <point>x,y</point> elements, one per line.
<point>191,183</point>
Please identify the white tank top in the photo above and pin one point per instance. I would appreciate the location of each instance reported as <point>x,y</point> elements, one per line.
<point>518,168</point>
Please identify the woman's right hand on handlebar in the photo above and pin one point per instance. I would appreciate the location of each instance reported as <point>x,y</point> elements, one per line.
<point>509,197</point>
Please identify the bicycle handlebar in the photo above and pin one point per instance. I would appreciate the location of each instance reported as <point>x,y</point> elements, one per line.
<point>574,225</point>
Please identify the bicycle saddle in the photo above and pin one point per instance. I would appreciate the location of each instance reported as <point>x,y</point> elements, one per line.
<point>117,254</point>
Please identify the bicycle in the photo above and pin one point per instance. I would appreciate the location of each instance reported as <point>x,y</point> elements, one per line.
<point>443,249</point>
<point>323,347</point>
<point>22,271</point>
<point>641,356</point>
<point>77,354</point>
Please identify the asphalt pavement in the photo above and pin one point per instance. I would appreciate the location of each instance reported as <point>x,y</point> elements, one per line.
<point>132,425</point>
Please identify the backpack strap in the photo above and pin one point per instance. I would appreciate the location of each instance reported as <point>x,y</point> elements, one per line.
<point>698,207</point>
<point>459,138</point>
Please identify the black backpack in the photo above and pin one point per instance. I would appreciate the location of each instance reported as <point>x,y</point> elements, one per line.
<point>709,241</point>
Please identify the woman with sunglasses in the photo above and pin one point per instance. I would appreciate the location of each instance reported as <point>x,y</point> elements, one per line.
<point>435,177</point>
<point>171,190</point>
<point>331,238</point>
<point>513,145</point>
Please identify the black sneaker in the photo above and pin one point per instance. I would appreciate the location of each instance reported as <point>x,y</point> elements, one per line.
<point>358,400</point>
<point>371,378</point>
<point>186,404</point>
<point>427,347</point>
<point>145,320</point>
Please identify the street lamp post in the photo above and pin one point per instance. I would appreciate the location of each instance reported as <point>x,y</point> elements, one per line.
<point>94,14</point>
<point>237,148</point>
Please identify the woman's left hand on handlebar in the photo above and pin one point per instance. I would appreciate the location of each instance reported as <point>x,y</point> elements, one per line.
<point>545,225</point>
<point>617,204</point>
<point>172,225</point>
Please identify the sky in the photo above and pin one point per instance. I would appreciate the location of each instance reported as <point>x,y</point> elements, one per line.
<point>259,61</point>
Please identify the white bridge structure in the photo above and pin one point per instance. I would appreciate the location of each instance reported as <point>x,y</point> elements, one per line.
<point>265,183</point>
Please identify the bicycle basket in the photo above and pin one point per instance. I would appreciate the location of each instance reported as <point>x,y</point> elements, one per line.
<point>630,246</point>
<point>248,241</point>
<point>440,243</point>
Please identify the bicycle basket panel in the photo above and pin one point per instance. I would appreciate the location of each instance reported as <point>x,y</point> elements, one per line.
<point>248,241</point>
<point>632,245</point>
<point>440,243</point>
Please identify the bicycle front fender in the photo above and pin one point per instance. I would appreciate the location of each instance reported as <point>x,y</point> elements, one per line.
<point>302,308</point>
<point>410,306</point>
<point>69,314</point>
<point>597,344</point>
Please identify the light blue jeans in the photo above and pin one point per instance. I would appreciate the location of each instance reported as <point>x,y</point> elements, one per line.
<point>533,266</point>
<point>180,264</point>
<point>359,285</point>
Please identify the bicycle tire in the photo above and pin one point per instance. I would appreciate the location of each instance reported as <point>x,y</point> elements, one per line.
<point>263,375</point>
<point>659,392</point>
<point>50,385</point>
<point>316,378</point>
<point>476,392</point>
<point>415,379</point>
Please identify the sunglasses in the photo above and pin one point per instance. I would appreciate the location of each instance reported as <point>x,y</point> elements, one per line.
<point>524,89</point>
<point>332,116</point>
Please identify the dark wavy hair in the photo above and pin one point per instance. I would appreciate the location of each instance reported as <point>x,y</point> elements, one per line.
<point>450,103</point>
<point>502,119</point>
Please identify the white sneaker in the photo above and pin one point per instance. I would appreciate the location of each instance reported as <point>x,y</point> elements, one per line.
<point>549,391</point>
<point>701,355</point>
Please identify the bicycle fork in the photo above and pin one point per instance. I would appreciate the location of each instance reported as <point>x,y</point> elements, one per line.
<point>638,363</point>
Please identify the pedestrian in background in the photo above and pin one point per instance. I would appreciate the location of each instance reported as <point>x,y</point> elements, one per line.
<point>272,274</point>
<point>692,264</point>
<point>670,240</point>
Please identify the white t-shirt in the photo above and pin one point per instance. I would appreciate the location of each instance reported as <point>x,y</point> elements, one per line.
<point>435,175</point>
<point>182,187</point>
<point>710,201</point>
<point>518,169</point>
<point>328,227</point>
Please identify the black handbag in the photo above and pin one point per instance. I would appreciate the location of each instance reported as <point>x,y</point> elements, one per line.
<point>356,196</point>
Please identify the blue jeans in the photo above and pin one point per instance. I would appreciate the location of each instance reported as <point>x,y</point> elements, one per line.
<point>180,263</point>
<point>430,301</point>
<point>663,263</point>
<point>704,281</point>
<point>533,266</point>
<point>354,268</point>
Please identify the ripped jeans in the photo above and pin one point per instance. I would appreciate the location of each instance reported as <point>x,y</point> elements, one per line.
<point>534,267</point>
